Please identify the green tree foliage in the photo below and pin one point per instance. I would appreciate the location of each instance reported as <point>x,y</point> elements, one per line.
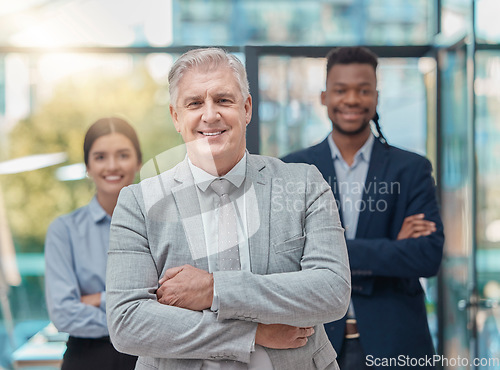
<point>33,199</point>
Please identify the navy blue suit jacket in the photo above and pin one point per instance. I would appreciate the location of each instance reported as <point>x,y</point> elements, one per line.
<point>386,292</point>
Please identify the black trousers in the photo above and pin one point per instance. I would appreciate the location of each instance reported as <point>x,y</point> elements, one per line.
<point>351,355</point>
<point>95,354</point>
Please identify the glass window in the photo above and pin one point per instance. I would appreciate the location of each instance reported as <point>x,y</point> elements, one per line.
<point>72,23</point>
<point>50,101</point>
<point>303,22</point>
<point>487,30</point>
<point>456,201</point>
<point>455,17</point>
<point>488,199</point>
<point>292,117</point>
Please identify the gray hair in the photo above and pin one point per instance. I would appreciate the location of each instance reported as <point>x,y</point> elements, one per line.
<point>209,59</point>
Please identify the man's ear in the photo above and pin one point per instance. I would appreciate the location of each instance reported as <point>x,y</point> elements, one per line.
<point>173,113</point>
<point>323,97</point>
<point>248,109</point>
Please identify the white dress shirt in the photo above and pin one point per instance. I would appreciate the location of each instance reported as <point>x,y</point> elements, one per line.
<point>209,202</point>
<point>351,184</point>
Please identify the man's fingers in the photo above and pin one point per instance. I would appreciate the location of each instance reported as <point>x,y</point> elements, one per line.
<point>415,226</point>
<point>418,216</point>
<point>419,223</point>
<point>418,234</point>
<point>306,332</point>
<point>418,219</point>
<point>281,336</point>
<point>164,296</point>
<point>302,337</point>
<point>423,226</point>
<point>186,287</point>
<point>170,273</point>
<point>299,342</point>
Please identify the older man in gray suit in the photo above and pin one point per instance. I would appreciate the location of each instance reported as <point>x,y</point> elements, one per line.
<point>229,260</point>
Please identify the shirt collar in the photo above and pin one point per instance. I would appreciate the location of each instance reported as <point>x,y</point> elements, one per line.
<point>96,211</point>
<point>236,176</point>
<point>364,152</point>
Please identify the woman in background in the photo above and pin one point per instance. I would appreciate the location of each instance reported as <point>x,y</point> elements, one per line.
<point>76,249</point>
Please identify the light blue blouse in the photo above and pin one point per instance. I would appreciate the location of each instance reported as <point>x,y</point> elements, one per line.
<point>76,252</point>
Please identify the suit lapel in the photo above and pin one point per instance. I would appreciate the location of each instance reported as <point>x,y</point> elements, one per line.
<point>258,205</point>
<point>376,171</point>
<point>186,199</point>
<point>322,159</point>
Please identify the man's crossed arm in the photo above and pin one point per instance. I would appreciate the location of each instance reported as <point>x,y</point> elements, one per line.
<point>415,226</point>
<point>193,289</point>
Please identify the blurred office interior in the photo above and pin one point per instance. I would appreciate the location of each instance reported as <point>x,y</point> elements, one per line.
<point>65,63</point>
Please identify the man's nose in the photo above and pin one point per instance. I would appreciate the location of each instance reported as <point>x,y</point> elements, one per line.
<point>352,97</point>
<point>210,112</point>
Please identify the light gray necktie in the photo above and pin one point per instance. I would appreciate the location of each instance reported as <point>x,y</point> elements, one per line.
<point>228,256</point>
<point>228,250</point>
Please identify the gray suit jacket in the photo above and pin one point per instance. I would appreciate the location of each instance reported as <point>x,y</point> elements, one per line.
<point>299,269</point>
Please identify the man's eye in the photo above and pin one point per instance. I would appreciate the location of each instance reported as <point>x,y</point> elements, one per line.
<point>339,91</point>
<point>194,104</point>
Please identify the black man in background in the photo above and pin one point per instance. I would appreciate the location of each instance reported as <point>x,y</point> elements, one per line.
<point>387,202</point>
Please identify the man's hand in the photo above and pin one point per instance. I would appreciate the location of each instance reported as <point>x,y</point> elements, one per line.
<point>91,299</point>
<point>415,226</point>
<point>280,336</point>
<point>186,287</point>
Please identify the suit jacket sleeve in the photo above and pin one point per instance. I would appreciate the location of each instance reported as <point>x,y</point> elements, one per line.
<point>138,324</point>
<point>407,258</point>
<point>319,292</point>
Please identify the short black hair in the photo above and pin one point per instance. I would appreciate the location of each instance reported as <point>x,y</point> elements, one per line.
<point>350,55</point>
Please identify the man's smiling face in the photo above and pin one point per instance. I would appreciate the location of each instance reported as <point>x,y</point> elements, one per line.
<point>351,97</point>
<point>211,115</point>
